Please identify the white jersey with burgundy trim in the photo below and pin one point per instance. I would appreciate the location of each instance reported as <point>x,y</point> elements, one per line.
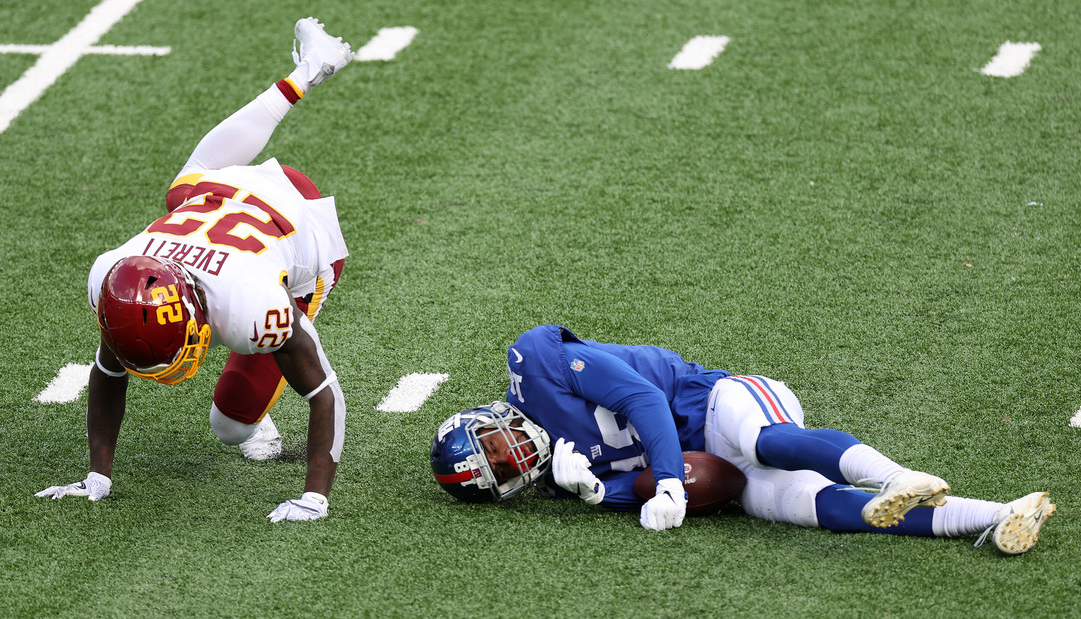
<point>252,242</point>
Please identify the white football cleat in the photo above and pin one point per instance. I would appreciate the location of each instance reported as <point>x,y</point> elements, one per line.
<point>901,492</point>
<point>325,55</point>
<point>265,443</point>
<point>1017,524</point>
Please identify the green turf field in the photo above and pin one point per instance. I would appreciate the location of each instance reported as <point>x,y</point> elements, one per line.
<point>841,201</point>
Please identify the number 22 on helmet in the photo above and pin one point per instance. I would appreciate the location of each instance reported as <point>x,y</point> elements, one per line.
<point>151,318</point>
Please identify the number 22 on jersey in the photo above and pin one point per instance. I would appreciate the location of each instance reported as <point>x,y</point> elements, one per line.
<point>221,227</point>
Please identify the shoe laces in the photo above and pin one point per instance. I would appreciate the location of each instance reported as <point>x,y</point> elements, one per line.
<point>994,523</point>
<point>983,536</point>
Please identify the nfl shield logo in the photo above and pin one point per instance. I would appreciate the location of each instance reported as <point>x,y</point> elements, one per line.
<point>578,365</point>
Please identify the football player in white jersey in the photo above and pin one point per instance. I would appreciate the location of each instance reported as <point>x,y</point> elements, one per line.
<point>245,258</point>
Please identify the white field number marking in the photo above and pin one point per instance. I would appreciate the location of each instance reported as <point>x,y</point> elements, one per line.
<point>56,59</point>
<point>1075,421</point>
<point>386,44</point>
<point>699,52</point>
<point>411,393</point>
<point>1011,60</point>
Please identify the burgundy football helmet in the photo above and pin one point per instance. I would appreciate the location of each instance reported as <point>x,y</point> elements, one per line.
<point>151,317</point>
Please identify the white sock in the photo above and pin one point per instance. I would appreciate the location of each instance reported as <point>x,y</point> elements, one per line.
<point>301,76</point>
<point>275,103</point>
<point>961,516</point>
<point>860,463</point>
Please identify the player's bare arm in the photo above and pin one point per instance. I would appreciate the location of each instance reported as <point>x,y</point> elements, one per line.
<point>299,362</point>
<point>104,414</point>
<point>106,402</point>
<point>306,369</point>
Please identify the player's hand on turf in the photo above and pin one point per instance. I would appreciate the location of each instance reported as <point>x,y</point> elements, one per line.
<point>310,506</point>
<point>571,472</point>
<point>95,487</point>
<point>667,508</point>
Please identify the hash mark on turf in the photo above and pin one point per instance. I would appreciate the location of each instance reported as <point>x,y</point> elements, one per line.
<point>1011,60</point>
<point>386,44</point>
<point>66,387</point>
<point>699,52</point>
<point>411,393</point>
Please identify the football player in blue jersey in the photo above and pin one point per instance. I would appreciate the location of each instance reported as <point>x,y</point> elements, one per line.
<point>589,416</point>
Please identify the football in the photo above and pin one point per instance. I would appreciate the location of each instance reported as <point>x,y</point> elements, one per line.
<point>710,482</point>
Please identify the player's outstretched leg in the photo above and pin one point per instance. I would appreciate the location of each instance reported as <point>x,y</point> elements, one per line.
<point>1017,525</point>
<point>320,54</point>
<point>1013,527</point>
<point>901,492</point>
<point>238,139</point>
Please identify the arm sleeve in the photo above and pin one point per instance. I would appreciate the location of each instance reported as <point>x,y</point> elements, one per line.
<point>611,383</point>
<point>331,382</point>
<point>619,491</point>
<point>240,137</point>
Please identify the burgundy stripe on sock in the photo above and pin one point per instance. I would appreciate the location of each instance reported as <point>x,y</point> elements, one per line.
<point>289,91</point>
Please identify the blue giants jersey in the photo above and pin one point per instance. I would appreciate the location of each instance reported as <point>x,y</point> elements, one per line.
<point>625,407</point>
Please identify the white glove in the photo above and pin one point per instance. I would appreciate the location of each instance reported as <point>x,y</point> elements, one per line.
<point>667,508</point>
<point>571,472</point>
<point>95,487</point>
<point>310,506</point>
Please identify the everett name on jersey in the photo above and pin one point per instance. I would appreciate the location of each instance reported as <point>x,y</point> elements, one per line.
<point>252,242</point>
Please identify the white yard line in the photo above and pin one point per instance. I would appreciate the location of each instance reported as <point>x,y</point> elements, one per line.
<point>57,58</point>
<point>1075,421</point>
<point>411,392</point>
<point>107,50</point>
